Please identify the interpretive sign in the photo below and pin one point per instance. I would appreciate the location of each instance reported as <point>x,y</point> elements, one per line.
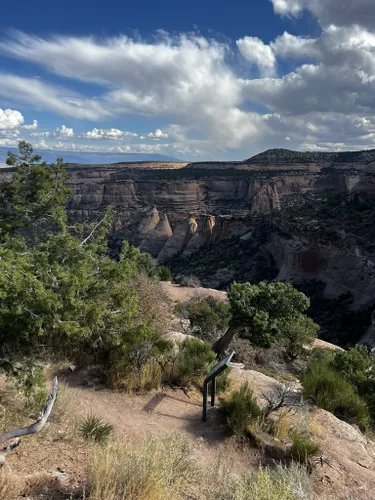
<point>211,377</point>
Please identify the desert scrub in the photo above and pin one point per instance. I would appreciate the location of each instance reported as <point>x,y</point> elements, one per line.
<point>92,428</point>
<point>331,391</point>
<point>242,410</point>
<point>30,381</point>
<point>190,365</point>
<point>304,448</point>
<point>161,469</point>
<point>281,483</point>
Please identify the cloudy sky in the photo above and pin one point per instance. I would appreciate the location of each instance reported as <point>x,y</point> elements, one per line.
<point>204,80</point>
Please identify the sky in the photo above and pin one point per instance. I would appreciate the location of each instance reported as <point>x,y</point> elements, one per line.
<point>197,80</point>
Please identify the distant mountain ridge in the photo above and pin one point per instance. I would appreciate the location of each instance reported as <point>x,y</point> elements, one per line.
<point>280,156</point>
<point>92,158</point>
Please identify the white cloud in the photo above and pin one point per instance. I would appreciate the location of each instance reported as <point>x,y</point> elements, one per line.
<point>183,77</point>
<point>339,12</point>
<point>33,126</point>
<point>258,53</point>
<point>112,134</point>
<point>64,132</point>
<point>157,135</point>
<point>40,134</point>
<point>51,98</point>
<point>94,148</point>
<point>327,99</point>
<point>10,119</point>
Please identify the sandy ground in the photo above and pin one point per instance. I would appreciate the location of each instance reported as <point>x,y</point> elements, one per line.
<point>134,417</point>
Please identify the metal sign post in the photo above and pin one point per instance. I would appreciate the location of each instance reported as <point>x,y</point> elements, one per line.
<point>211,377</point>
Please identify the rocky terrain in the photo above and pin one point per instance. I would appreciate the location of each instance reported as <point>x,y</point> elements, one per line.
<point>281,214</point>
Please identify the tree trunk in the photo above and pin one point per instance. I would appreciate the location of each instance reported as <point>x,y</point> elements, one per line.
<point>222,344</point>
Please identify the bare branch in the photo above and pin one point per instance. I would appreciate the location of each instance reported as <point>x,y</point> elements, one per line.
<point>93,231</point>
<point>7,449</point>
<point>276,397</point>
<point>41,421</point>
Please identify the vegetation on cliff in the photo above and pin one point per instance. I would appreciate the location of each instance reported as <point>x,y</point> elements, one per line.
<point>280,156</point>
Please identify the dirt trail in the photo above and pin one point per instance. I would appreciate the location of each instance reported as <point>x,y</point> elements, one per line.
<point>134,417</point>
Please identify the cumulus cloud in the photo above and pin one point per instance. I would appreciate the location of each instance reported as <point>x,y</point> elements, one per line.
<point>338,12</point>
<point>112,134</point>
<point>327,99</point>
<point>64,132</point>
<point>258,53</point>
<point>94,148</point>
<point>157,135</point>
<point>185,77</point>
<point>33,126</point>
<point>10,119</point>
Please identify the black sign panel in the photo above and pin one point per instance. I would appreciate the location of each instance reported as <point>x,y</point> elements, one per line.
<point>220,367</point>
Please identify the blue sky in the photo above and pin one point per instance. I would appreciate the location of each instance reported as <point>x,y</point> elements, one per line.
<point>193,80</point>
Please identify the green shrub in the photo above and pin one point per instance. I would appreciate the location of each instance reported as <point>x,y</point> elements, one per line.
<point>30,380</point>
<point>93,428</point>
<point>331,391</point>
<point>190,366</point>
<point>241,410</point>
<point>303,448</point>
<point>163,273</point>
<point>208,317</point>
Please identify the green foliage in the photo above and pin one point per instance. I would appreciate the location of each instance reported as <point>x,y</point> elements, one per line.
<point>191,364</point>
<point>269,313</point>
<point>331,391</point>
<point>58,286</point>
<point>208,317</point>
<point>353,364</point>
<point>303,448</point>
<point>36,196</point>
<point>164,273</point>
<point>242,410</point>
<point>30,380</point>
<point>93,428</point>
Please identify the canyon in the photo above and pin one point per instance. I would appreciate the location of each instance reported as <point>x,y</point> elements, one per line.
<point>268,217</point>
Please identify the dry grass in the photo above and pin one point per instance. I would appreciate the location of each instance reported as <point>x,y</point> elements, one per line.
<point>129,379</point>
<point>161,469</point>
<point>153,304</point>
<point>280,483</point>
<point>316,429</point>
<point>282,426</point>
<point>10,486</point>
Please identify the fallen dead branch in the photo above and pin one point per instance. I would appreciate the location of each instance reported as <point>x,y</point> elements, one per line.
<point>31,429</point>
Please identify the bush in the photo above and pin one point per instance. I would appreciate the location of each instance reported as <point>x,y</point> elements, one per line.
<point>93,428</point>
<point>241,410</point>
<point>30,380</point>
<point>161,469</point>
<point>191,364</point>
<point>190,281</point>
<point>208,317</point>
<point>164,273</point>
<point>303,448</point>
<point>331,391</point>
<point>282,483</point>
<point>124,376</point>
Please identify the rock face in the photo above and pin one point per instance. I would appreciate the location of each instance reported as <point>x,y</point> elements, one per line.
<point>170,210</point>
